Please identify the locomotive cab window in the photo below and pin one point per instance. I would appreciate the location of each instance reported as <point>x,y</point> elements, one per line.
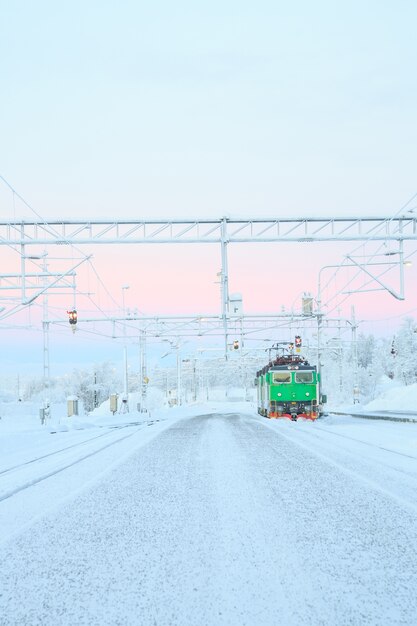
<point>281,377</point>
<point>304,377</point>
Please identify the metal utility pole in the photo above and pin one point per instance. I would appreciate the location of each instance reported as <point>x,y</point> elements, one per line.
<point>225,284</point>
<point>176,346</point>
<point>401,255</point>
<point>356,389</point>
<point>340,352</point>
<point>22,262</point>
<point>95,398</point>
<point>46,412</point>
<point>319,316</point>
<point>143,373</point>
<point>194,363</point>
<point>125,377</point>
<point>179,395</point>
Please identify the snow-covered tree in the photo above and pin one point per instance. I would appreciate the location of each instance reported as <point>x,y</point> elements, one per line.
<point>93,385</point>
<point>404,353</point>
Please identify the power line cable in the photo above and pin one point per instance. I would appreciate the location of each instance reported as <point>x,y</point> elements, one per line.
<point>55,232</point>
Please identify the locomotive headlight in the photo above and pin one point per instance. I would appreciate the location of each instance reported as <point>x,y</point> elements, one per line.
<point>307,393</point>
<point>280,394</point>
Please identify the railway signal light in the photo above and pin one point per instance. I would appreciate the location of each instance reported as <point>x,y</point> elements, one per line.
<point>298,343</point>
<point>291,347</point>
<point>73,318</point>
<point>236,345</point>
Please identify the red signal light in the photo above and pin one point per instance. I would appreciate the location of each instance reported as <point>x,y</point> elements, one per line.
<point>73,317</point>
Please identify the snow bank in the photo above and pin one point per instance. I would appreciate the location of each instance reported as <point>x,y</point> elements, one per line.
<point>396,398</point>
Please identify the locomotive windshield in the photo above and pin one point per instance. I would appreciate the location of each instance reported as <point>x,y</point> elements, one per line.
<point>281,377</point>
<point>304,377</point>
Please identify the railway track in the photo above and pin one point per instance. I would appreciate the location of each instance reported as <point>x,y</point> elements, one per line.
<point>20,477</point>
<point>381,467</point>
<point>365,443</point>
<point>11,469</point>
<point>382,415</point>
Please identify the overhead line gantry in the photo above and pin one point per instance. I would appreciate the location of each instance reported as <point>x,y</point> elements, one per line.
<point>233,230</point>
<point>223,231</point>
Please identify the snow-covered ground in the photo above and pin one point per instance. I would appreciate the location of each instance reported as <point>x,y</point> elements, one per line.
<point>395,398</point>
<point>207,514</point>
<point>399,401</point>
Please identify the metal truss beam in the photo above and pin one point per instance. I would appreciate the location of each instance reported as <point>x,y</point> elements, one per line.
<point>293,229</point>
<point>194,325</point>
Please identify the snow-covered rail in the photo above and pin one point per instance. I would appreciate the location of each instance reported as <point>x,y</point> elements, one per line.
<point>365,443</point>
<point>382,457</point>
<point>14,468</point>
<point>22,476</point>
<point>389,416</point>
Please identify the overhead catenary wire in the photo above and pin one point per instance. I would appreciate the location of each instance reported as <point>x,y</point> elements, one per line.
<point>345,262</point>
<point>365,284</point>
<point>86,257</point>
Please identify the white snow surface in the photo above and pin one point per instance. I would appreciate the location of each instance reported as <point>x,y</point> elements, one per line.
<point>396,398</point>
<point>206,514</point>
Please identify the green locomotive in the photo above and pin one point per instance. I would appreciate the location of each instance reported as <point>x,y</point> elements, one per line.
<point>289,387</point>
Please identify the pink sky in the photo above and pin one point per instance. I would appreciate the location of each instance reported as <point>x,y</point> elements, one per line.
<point>182,279</point>
<point>172,279</point>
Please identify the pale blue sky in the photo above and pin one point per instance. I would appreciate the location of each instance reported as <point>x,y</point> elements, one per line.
<point>187,109</point>
<point>206,109</point>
